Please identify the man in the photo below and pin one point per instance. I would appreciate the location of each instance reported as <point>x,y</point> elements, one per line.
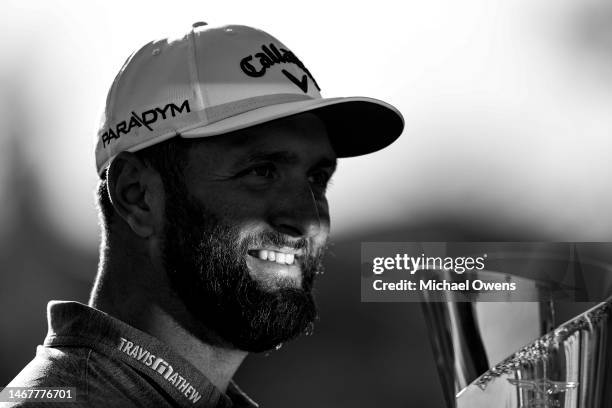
<point>214,155</point>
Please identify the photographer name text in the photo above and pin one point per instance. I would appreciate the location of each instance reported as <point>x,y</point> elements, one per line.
<point>442,285</point>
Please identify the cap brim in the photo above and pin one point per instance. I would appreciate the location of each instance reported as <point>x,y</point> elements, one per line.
<point>356,125</point>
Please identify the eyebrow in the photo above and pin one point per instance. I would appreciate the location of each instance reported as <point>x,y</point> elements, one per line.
<point>285,157</point>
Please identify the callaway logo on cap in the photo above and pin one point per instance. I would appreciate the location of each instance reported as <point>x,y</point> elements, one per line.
<point>216,80</point>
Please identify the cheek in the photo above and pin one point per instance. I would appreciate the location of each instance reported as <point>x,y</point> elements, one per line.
<point>232,206</point>
<point>245,216</point>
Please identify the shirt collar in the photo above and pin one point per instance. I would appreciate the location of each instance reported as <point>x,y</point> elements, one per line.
<point>75,324</point>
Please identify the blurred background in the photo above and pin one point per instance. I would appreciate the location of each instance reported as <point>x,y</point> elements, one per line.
<point>507,108</point>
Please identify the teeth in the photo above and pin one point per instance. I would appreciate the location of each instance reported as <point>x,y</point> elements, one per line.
<point>278,257</point>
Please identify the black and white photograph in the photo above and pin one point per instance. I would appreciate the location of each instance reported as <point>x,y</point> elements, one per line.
<point>320,204</point>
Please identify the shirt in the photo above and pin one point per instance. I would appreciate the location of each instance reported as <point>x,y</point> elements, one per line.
<point>112,364</point>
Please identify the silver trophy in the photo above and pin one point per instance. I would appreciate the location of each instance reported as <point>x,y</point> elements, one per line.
<point>568,367</point>
<point>512,354</point>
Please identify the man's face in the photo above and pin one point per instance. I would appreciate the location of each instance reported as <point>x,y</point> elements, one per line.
<point>245,232</point>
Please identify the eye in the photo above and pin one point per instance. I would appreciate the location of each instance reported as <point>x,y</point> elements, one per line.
<point>319,178</point>
<point>266,170</point>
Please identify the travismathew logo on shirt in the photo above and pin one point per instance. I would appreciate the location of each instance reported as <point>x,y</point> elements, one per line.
<point>146,119</point>
<point>161,367</point>
<point>270,56</point>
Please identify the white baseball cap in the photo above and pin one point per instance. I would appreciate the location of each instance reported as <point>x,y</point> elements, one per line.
<point>216,80</point>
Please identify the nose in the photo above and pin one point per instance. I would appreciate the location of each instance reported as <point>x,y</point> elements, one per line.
<point>298,213</point>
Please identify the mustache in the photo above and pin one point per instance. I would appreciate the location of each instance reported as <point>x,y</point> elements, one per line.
<point>277,239</point>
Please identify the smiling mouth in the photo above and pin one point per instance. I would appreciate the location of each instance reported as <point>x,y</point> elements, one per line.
<point>277,256</point>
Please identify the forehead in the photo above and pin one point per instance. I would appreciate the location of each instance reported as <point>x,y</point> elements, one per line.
<point>304,136</point>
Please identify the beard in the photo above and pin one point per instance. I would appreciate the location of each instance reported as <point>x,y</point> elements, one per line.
<point>206,264</point>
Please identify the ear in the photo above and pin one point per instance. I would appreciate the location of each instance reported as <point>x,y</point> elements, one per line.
<point>136,193</point>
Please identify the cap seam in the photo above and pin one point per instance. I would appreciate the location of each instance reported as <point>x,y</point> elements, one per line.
<point>195,80</point>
